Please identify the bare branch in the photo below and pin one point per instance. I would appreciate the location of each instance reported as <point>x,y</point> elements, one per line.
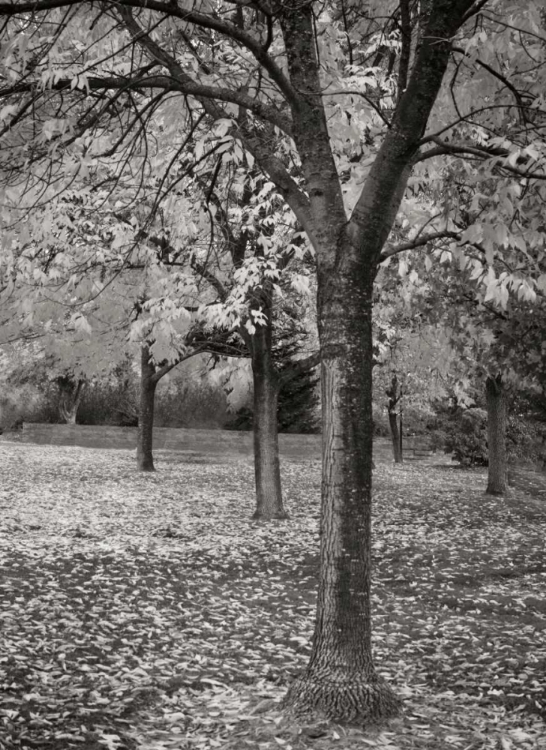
<point>189,86</point>
<point>425,239</point>
<point>482,151</point>
<point>171,9</point>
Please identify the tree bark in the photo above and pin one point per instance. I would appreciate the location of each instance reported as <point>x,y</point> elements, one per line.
<point>71,396</point>
<point>269,504</point>
<point>393,394</point>
<point>148,384</point>
<point>340,680</point>
<point>496,436</point>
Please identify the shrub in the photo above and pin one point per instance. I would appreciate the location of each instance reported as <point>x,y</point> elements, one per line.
<point>196,404</point>
<point>297,410</point>
<point>191,404</point>
<point>463,432</point>
<point>466,437</point>
<point>525,440</point>
<point>28,404</point>
<point>111,402</point>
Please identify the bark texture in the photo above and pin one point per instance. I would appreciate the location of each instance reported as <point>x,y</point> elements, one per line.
<point>148,383</point>
<point>269,503</point>
<point>340,680</point>
<point>496,436</point>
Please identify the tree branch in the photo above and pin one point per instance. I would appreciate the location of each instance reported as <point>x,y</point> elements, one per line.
<point>196,18</point>
<point>483,152</point>
<point>388,252</point>
<point>517,94</point>
<point>162,371</point>
<point>189,86</point>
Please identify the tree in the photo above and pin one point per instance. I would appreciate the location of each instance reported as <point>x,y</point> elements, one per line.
<point>497,338</point>
<point>382,110</point>
<point>71,392</point>
<point>257,253</point>
<point>496,435</point>
<point>394,394</point>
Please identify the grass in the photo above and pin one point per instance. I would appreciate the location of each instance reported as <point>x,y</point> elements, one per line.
<point>148,612</point>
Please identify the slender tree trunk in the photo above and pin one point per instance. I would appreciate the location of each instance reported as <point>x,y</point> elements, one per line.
<point>401,423</point>
<point>395,437</point>
<point>269,503</point>
<point>394,400</point>
<point>148,383</point>
<point>70,400</point>
<point>496,436</point>
<point>340,680</point>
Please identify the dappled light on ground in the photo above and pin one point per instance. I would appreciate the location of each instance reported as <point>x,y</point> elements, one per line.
<point>149,611</point>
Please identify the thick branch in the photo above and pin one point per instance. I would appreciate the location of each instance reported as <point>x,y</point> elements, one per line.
<point>377,206</point>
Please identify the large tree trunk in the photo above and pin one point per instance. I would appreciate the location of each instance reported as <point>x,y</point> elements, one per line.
<point>394,396</point>
<point>70,399</point>
<point>269,503</point>
<point>340,680</point>
<point>496,436</point>
<point>148,383</point>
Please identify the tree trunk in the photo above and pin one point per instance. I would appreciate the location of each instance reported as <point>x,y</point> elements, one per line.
<point>394,399</point>
<point>70,399</point>
<point>395,437</point>
<point>340,680</point>
<point>148,383</point>
<point>496,436</point>
<point>269,503</point>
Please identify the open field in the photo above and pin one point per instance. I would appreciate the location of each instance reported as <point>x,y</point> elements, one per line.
<point>148,612</point>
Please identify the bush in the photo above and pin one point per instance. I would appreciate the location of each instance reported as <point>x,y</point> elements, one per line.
<point>463,432</point>
<point>113,402</point>
<point>191,404</point>
<point>28,404</point>
<point>196,404</point>
<point>466,437</point>
<point>297,410</point>
<point>525,441</point>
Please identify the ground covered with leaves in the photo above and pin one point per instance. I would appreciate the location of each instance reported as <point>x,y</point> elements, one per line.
<point>148,612</point>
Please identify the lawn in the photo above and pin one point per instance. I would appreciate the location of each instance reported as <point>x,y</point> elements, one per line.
<point>149,612</point>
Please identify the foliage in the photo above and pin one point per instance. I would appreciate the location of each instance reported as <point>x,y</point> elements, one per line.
<point>195,403</point>
<point>298,402</point>
<point>148,612</point>
<point>298,395</point>
<point>26,403</point>
<point>462,431</point>
<point>297,409</point>
<point>466,437</point>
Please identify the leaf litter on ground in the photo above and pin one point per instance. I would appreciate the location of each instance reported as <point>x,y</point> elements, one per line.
<point>148,612</point>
